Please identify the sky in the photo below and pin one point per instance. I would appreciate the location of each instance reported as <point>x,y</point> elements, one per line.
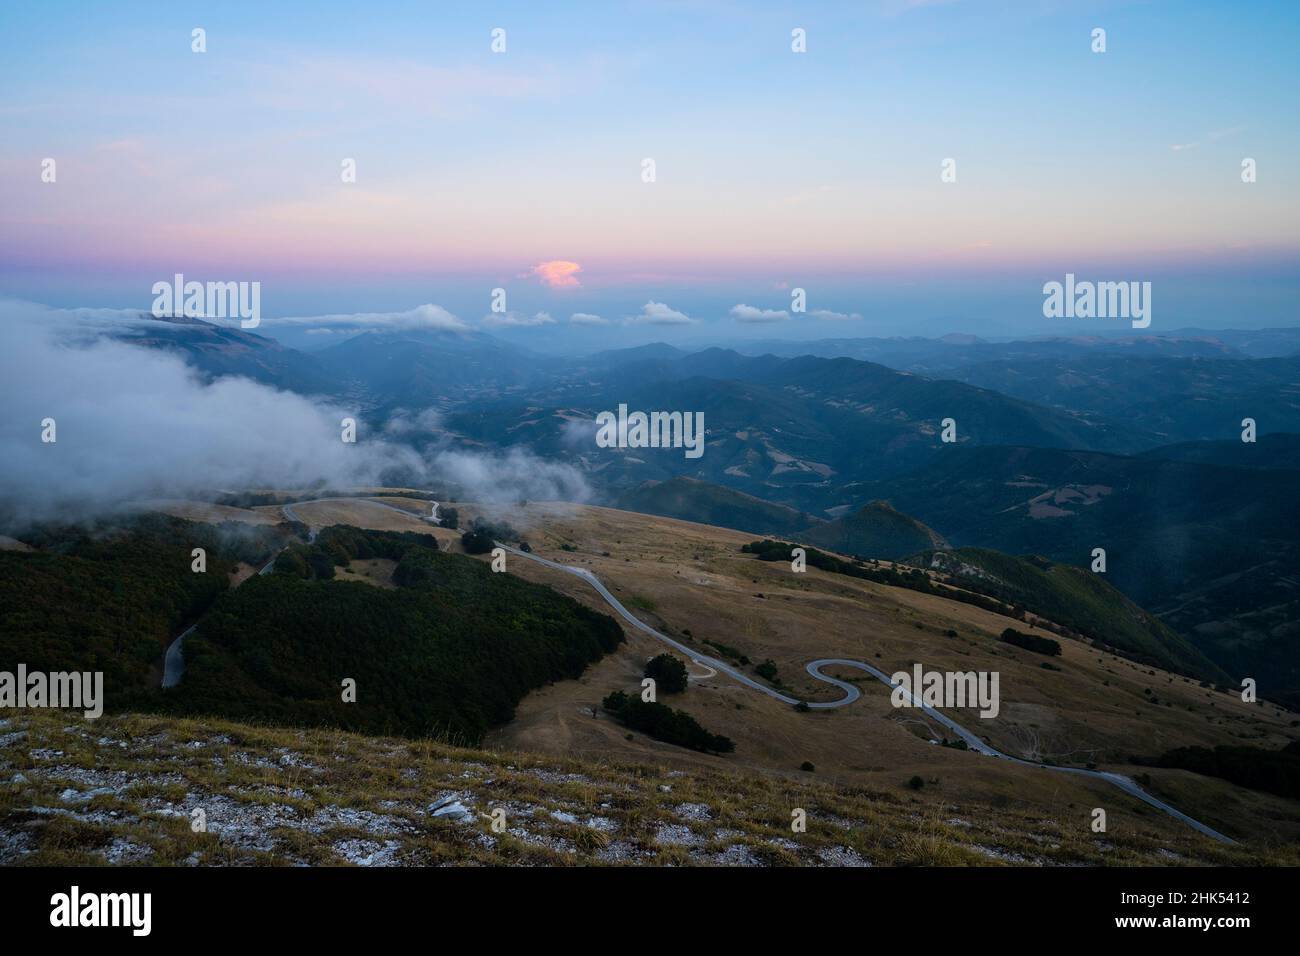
<point>524,170</point>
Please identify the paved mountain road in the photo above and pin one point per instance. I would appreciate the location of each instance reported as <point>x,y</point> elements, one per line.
<point>852,693</point>
<point>174,660</point>
<point>174,670</point>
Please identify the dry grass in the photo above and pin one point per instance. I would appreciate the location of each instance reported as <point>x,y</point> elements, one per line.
<point>124,789</point>
<point>684,577</point>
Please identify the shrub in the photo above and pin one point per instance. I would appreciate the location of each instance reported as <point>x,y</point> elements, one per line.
<point>663,723</point>
<point>1031,642</point>
<point>1273,771</point>
<point>668,672</point>
<point>475,541</point>
<point>321,564</point>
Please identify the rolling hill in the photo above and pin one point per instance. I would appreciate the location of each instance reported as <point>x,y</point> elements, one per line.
<point>692,500</point>
<point>792,431</point>
<point>875,530</point>
<point>1182,399</point>
<point>1277,450</point>
<point>223,350</point>
<point>1091,708</point>
<point>1075,598</point>
<point>1211,550</point>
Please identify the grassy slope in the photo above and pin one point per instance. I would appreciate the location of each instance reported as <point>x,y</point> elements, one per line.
<point>687,577</point>
<point>123,789</point>
<point>874,531</point>
<point>705,503</point>
<point>1210,549</point>
<point>1078,599</point>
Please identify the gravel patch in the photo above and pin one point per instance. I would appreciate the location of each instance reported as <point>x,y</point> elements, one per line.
<point>694,811</point>
<point>676,834</point>
<point>841,856</point>
<point>368,852</point>
<point>121,852</point>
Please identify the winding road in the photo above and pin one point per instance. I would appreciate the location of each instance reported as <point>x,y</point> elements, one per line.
<point>174,660</point>
<point>174,670</point>
<point>852,693</point>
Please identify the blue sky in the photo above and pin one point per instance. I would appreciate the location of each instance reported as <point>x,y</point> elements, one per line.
<point>774,170</point>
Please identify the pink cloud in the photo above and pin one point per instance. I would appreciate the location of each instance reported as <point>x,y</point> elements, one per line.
<point>557,273</point>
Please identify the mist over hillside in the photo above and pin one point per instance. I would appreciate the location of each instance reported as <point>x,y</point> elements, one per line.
<point>620,434</point>
<point>143,409</point>
<point>1084,454</point>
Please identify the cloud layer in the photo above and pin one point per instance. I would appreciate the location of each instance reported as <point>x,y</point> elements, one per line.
<point>516,320</point>
<point>749,313</point>
<point>657,313</point>
<point>428,316</point>
<point>134,423</point>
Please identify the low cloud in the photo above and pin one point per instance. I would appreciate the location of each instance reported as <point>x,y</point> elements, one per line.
<point>428,316</point>
<point>135,423</point>
<point>516,319</point>
<point>422,423</point>
<point>834,316</point>
<point>511,475</point>
<point>579,432</point>
<point>586,318</point>
<point>657,313</point>
<point>749,313</point>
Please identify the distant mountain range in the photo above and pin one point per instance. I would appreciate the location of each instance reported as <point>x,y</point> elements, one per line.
<point>416,369</point>
<point>794,431</point>
<point>1183,398</point>
<point>220,350</point>
<point>1131,444</point>
<point>932,356</point>
<point>1212,550</point>
<point>1267,451</point>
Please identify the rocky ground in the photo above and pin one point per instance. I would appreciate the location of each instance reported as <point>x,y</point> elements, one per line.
<point>159,791</point>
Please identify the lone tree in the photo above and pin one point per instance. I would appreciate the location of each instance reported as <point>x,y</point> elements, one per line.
<point>476,541</point>
<point>668,672</point>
